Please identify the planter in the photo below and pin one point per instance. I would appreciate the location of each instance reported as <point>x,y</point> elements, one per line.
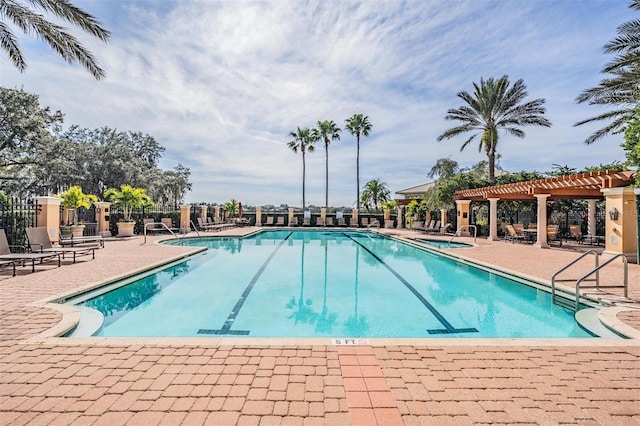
<point>75,230</point>
<point>125,229</point>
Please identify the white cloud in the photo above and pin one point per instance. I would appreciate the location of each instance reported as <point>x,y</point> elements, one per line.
<point>220,84</point>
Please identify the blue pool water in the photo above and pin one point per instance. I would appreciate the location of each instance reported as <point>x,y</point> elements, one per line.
<point>327,284</point>
<point>440,244</point>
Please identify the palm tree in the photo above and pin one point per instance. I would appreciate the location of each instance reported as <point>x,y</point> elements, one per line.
<point>374,193</point>
<point>623,88</point>
<point>358,125</point>
<point>325,130</point>
<point>30,21</point>
<point>494,106</point>
<point>303,140</point>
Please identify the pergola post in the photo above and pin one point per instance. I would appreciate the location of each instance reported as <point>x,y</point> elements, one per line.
<point>541,241</point>
<point>400,223</point>
<point>493,219</point>
<point>462,213</point>
<point>591,217</point>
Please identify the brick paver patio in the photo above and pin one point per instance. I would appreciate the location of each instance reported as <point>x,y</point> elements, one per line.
<point>224,381</point>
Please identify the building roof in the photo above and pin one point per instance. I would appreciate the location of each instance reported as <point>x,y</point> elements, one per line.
<point>416,190</point>
<point>581,185</point>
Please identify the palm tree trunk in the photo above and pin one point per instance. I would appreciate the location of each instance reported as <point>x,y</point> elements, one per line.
<point>303,176</point>
<point>326,175</point>
<point>358,169</point>
<point>492,160</point>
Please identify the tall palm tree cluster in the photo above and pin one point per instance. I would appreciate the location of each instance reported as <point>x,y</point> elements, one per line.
<point>304,140</point>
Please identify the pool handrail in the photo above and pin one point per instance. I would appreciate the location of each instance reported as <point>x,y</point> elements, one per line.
<point>458,232</point>
<point>625,284</point>
<point>164,225</point>
<point>567,266</point>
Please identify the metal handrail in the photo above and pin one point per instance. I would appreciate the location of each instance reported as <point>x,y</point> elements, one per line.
<point>567,266</point>
<point>146,226</point>
<point>625,284</point>
<point>457,233</point>
<point>195,228</point>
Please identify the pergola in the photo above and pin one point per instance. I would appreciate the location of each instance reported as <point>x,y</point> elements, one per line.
<point>591,186</point>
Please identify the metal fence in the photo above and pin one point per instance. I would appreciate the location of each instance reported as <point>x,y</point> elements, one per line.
<point>17,214</point>
<point>155,212</point>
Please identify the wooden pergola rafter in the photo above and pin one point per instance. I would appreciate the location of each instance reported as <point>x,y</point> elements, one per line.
<point>578,186</point>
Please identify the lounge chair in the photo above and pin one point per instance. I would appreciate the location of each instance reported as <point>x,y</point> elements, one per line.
<point>513,235</point>
<point>149,225</point>
<point>433,229</point>
<point>552,234</point>
<point>328,221</point>
<point>306,221</point>
<point>166,221</point>
<point>353,222</point>
<point>205,226</point>
<point>443,229</point>
<point>40,243</point>
<point>70,240</point>
<point>7,256</point>
<point>280,221</point>
<point>293,221</point>
<point>341,222</point>
<point>320,222</point>
<point>11,263</point>
<point>365,222</point>
<point>269,221</point>
<point>575,233</point>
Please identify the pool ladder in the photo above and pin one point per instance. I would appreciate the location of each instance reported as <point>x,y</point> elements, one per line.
<point>163,225</point>
<point>458,233</point>
<point>571,301</point>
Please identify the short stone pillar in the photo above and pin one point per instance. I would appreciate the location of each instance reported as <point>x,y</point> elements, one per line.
<point>290,214</point>
<point>185,218</point>
<point>48,216</point>
<point>102,218</point>
<point>620,224</point>
<point>203,212</point>
<point>541,241</point>
<point>591,217</point>
<point>258,216</point>
<point>387,214</point>
<point>493,219</point>
<point>354,217</point>
<point>400,223</point>
<point>216,211</point>
<point>443,217</point>
<point>323,215</point>
<point>463,214</point>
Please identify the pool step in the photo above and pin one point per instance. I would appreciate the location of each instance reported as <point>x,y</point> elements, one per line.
<point>90,321</point>
<point>589,320</point>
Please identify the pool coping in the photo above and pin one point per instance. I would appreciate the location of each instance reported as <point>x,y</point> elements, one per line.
<point>71,315</point>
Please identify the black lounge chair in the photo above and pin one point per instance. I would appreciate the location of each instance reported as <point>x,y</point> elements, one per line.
<point>7,256</point>
<point>40,243</point>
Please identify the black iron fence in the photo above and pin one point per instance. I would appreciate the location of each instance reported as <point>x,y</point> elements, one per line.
<point>17,214</point>
<point>156,212</point>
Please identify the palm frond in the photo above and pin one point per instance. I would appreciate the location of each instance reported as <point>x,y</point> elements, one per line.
<point>10,44</point>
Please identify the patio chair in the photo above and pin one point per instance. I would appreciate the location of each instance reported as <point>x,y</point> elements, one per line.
<point>433,229</point>
<point>373,223</point>
<point>147,223</point>
<point>269,221</point>
<point>169,224</point>
<point>7,256</point>
<point>39,242</point>
<point>205,226</point>
<point>513,235</point>
<point>443,229</point>
<point>552,234</point>
<point>280,221</point>
<point>320,222</point>
<point>293,221</point>
<point>341,222</point>
<point>575,233</point>
<point>70,240</point>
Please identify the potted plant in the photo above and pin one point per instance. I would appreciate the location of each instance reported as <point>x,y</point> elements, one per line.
<point>128,198</point>
<point>72,200</point>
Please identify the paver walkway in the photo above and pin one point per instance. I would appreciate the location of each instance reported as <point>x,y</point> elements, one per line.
<point>52,381</point>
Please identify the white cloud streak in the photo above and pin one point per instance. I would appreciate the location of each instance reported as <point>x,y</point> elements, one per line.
<point>221,84</point>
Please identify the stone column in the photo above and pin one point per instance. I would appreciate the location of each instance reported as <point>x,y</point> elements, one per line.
<point>443,217</point>
<point>216,212</point>
<point>203,212</point>
<point>591,217</point>
<point>493,219</point>
<point>400,218</point>
<point>48,216</point>
<point>463,208</point>
<point>354,217</point>
<point>258,216</point>
<point>102,218</point>
<point>185,217</point>
<point>290,214</point>
<point>323,215</point>
<point>541,240</point>
<point>620,223</point>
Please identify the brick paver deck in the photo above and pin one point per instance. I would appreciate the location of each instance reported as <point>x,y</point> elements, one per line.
<point>55,381</point>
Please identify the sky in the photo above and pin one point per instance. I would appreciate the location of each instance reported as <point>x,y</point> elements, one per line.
<point>221,84</point>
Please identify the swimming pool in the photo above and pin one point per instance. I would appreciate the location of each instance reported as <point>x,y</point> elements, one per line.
<point>440,244</point>
<point>304,283</point>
